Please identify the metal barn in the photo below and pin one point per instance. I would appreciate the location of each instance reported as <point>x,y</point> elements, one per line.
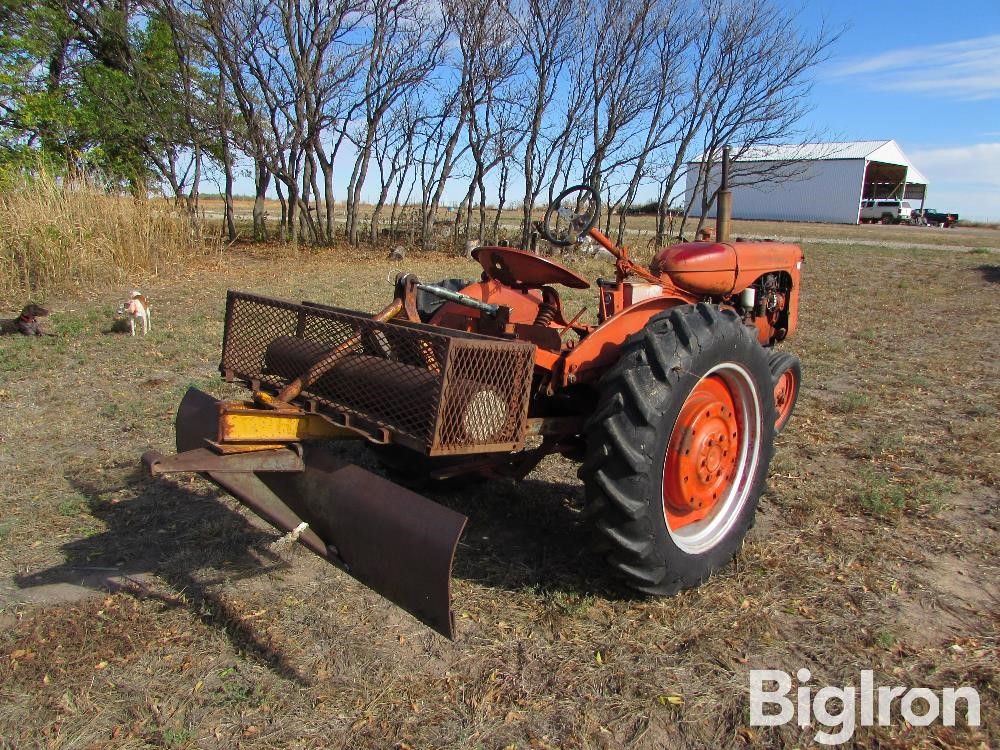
<point>815,181</point>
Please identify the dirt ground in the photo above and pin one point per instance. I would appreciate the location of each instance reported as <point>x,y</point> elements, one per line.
<point>139,613</point>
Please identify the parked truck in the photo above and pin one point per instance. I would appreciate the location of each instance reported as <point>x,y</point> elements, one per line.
<point>885,211</point>
<point>934,218</point>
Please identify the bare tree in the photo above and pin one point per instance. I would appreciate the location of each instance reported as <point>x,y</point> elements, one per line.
<point>229,32</point>
<point>623,77</point>
<point>286,61</point>
<point>504,148</point>
<point>316,33</point>
<point>762,65</point>
<point>439,150</point>
<point>433,94</point>
<point>403,48</point>
<point>490,62</point>
<point>700,84</point>
<point>541,26</point>
<point>673,36</point>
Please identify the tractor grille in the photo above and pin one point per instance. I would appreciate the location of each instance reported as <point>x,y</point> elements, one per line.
<point>435,391</point>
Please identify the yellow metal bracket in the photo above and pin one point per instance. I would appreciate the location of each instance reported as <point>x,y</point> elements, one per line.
<point>242,424</point>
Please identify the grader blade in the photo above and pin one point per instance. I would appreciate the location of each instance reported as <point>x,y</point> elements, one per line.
<point>394,541</point>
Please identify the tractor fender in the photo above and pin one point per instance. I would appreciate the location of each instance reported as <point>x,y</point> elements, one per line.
<point>602,346</point>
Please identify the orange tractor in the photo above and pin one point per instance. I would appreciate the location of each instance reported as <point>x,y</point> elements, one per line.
<point>671,400</point>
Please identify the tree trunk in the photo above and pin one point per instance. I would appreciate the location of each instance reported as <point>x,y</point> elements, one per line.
<point>501,199</point>
<point>262,180</point>
<point>283,226</point>
<point>446,166</point>
<point>358,181</point>
<point>377,211</point>
<point>227,160</point>
<point>317,225</point>
<point>326,165</point>
<point>293,210</point>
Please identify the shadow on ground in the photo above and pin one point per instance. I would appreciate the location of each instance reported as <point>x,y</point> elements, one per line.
<point>523,535</point>
<point>118,325</point>
<point>179,534</point>
<point>990,273</point>
<point>527,534</point>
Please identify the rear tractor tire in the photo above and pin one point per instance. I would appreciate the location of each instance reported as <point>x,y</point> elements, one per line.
<point>678,448</point>
<point>786,374</point>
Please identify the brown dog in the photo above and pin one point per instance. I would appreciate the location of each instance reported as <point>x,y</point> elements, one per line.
<point>27,323</point>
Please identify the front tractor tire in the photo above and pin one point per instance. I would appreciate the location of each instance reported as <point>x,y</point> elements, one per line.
<point>786,374</point>
<point>678,448</point>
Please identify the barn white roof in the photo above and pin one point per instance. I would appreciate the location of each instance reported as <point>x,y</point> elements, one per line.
<point>887,152</point>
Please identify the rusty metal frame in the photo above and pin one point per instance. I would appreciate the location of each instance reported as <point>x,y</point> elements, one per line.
<point>205,459</point>
<point>435,391</point>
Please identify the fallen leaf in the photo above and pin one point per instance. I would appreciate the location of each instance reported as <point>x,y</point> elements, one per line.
<point>673,700</point>
<point>747,734</point>
<point>358,723</point>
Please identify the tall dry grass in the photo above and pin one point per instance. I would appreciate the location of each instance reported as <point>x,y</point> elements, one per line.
<point>72,236</point>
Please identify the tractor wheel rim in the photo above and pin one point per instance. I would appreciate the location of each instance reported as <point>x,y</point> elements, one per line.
<point>711,458</point>
<point>784,397</point>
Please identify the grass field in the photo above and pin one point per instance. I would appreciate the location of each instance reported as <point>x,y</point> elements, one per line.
<point>153,614</point>
<point>641,228</point>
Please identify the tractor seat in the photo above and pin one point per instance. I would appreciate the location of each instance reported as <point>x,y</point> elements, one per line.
<point>522,269</point>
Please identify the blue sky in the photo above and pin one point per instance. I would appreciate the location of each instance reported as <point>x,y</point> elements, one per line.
<point>926,74</point>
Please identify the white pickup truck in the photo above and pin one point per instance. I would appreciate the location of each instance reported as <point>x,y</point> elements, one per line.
<point>885,211</point>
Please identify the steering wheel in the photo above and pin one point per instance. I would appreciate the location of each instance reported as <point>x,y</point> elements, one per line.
<point>563,224</point>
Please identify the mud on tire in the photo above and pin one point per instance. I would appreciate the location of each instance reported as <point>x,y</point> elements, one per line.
<point>667,374</point>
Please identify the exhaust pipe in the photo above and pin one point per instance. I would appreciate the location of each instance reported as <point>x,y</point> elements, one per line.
<point>724,201</point>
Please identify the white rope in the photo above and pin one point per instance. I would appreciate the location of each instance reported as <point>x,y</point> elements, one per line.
<point>290,538</point>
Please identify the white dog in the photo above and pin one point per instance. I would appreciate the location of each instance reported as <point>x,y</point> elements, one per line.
<point>137,308</point>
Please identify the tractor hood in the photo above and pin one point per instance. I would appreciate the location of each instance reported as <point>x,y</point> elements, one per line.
<point>698,267</point>
<point>719,268</point>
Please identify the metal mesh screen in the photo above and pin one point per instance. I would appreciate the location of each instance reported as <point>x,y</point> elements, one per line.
<point>441,392</point>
